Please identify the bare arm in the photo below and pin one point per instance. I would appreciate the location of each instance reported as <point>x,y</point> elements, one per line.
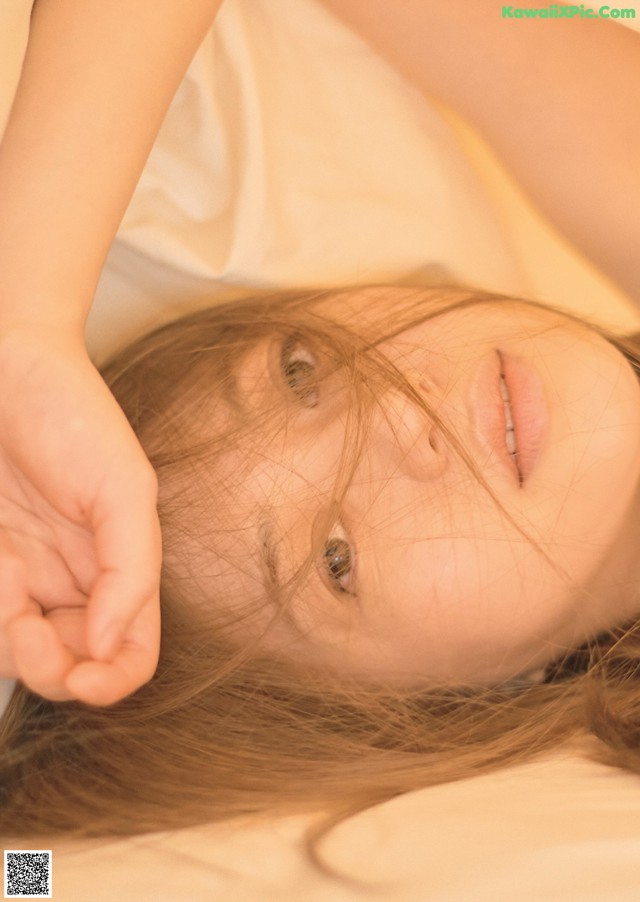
<point>559,101</point>
<point>97,80</point>
<point>79,535</point>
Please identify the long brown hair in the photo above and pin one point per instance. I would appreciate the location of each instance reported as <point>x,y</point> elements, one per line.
<point>225,729</point>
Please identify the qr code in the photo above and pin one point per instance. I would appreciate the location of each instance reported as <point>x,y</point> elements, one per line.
<point>27,874</point>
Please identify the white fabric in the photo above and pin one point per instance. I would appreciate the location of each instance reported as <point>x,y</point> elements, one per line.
<point>280,165</point>
<point>563,830</point>
<point>293,155</point>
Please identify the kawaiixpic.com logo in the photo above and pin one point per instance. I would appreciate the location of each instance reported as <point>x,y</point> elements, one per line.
<point>554,11</point>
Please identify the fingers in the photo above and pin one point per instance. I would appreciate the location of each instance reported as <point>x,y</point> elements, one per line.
<point>13,600</point>
<point>123,614</point>
<point>59,673</point>
<point>51,654</point>
<point>41,660</point>
<point>103,683</point>
<point>128,547</point>
<point>89,494</point>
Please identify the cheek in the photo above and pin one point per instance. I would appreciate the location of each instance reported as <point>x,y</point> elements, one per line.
<point>480,587</point>
<point>470,608</point>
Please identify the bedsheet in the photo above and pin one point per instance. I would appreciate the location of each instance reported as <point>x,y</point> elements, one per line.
<point>559,830</point>
<point>279,166</point>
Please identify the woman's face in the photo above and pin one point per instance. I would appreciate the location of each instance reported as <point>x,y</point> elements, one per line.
<point>424,577</point>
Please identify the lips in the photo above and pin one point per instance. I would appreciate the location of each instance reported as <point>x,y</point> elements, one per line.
<point>510,436</point>
<point>509,414</point>
<point>529,412</point>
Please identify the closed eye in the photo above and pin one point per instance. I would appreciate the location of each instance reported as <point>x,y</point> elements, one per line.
<point>299,371</point>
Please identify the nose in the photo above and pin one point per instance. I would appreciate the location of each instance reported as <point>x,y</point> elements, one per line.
<point>405,438</point>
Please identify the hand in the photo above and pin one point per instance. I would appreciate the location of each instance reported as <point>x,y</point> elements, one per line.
<point>79,534</point>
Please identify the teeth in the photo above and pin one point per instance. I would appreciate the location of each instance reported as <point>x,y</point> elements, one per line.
<point>510,434</point>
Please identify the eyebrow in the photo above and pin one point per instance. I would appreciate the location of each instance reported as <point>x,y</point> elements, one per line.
<point>269,556</point>
<point>272,577</point>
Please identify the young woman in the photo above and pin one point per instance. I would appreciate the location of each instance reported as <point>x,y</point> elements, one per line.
<point>395,553</point>
<point>96,81</point>
<point>400,531</point>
